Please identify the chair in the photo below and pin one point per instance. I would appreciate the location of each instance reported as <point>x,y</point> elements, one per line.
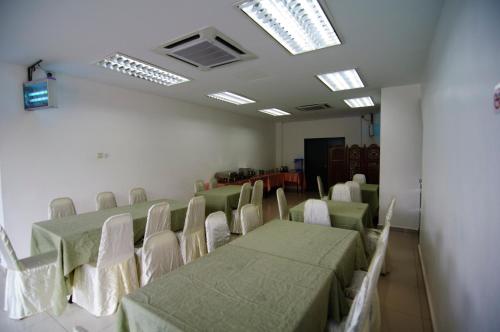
<point>373,235</point>
<point>257,194</point>
<point>61,207</point>
<point>105,200</point>
<point>341,193</point>
<point>192,237</point>
<point>355,191</point>
<point>160,255</point>
<point>137,195</point>
<point>158,219</point>
<point>250,218</point>
<point>316,212</point>
<point>212,183</point>
<point>199,185</point>
<point>282,204</point>
<point>359,178</point>
<point>320,189</point>
<point>98,287</point>
<point>34,284</point>
<point>217,230</point>
<point>245,192</point>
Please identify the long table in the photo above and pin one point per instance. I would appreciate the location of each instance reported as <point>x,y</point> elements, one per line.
<point>283,276</point>
<point>77,238</point>
<point>221,199</point>
<point>274,180</point>
<point>369,195</point>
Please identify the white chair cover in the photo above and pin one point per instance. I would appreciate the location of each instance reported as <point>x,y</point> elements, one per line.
<point>32,285</point>
<point>320,188</point>
<point>217,230</point>
<point>199,185</point>
<point>99,287</point>
<point>158,219</point>
<point>341,193</point>
<point>316,212</point>
<point>137,195</point>
<point>250,218</point>
<point>257,195</point>
<point>105,200</point>
<point>246,191</point>
<point>359,178</point>
<point>354,190</point>
<point>160,255</point>
<point>212,183</point>
<point>373,237</point>
<point>61,207</point>
<point>192,237</point>
<point>282,204</point>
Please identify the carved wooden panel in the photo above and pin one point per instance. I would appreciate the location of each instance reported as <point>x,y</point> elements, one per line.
<point>355,160</point>
<point>372,154</point>
<point>337,165</point>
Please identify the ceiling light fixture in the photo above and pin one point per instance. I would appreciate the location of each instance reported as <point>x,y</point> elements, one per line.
<point>230,97</point>
<point>342,80</point>
<point>140,69</point>
<point>359,102</point>
<point>300,26</point>
<point>274,112</point>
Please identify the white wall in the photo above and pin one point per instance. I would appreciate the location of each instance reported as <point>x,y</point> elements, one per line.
<point>401,154</point>
<point>290,135</point>
<point>460,228</point>
<point>160,144</point>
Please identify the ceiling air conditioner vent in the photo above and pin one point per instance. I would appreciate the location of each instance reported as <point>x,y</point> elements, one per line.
<point>205,49</point>
<point>313,107</point>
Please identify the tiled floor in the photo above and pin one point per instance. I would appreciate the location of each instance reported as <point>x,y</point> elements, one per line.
<point>402,294</point>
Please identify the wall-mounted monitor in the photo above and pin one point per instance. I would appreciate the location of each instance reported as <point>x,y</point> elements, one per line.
<point>39,94</point>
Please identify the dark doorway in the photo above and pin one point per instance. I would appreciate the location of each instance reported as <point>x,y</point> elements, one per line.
<point>316,161</point>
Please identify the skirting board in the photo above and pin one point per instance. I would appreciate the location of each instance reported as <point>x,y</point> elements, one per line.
<point>427,292</point>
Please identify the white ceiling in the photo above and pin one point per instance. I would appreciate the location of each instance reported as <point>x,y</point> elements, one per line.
<point>386,40</point>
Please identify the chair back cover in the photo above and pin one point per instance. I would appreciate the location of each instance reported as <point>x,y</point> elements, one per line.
<point>61,207</point>
<point>250,218</point>
<point>316,212</point>
<point>359,178</point>
<point>158,219</point>
<point>195,215</point>
<point>390,210</point>
<point>355,191</point>
<point>117,240</point>
<point>212,183</point>
<point>160,255</point>
<point>199,185</point>
<point>7,252</point>
<point>341,193</point>
<point>137,195</point>
<point>282,204</point>
<point>217,230</point>
<point>320,187</point>
<point>245,193</point>
<point>257,192</point>
<point>105,200</point>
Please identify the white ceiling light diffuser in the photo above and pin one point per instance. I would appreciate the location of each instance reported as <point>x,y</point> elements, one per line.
<point>299,25</point>
<point>274,112</point>
<point>342,80</point>
<point>230,97</point>
<point>359,102</point>
<point>140,69</point>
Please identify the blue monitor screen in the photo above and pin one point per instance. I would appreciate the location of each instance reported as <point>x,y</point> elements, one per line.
<point>36,95</point>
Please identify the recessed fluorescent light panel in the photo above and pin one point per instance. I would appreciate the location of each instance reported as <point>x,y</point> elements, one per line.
<point>140,69</point>
<point>342,80</point>
<point>230,97</point>
<point>299,25</point>
<point>274,112</point>
<point>359,102</point>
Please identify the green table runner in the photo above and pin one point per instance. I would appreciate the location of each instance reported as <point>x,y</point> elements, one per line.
<point>369,195</point>
<point>338,250</point>
<point>221,199</point>
<point>231,289</point>
<point>77,237</point>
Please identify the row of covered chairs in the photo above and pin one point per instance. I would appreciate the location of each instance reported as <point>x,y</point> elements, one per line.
<point>64,206</point>
<point>348,192</point>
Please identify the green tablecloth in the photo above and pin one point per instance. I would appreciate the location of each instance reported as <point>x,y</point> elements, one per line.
<point>221,199</point>
<point>369,195</point>
<point>77,237</point>
<point>232,289</point>
<point>338,250</point>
